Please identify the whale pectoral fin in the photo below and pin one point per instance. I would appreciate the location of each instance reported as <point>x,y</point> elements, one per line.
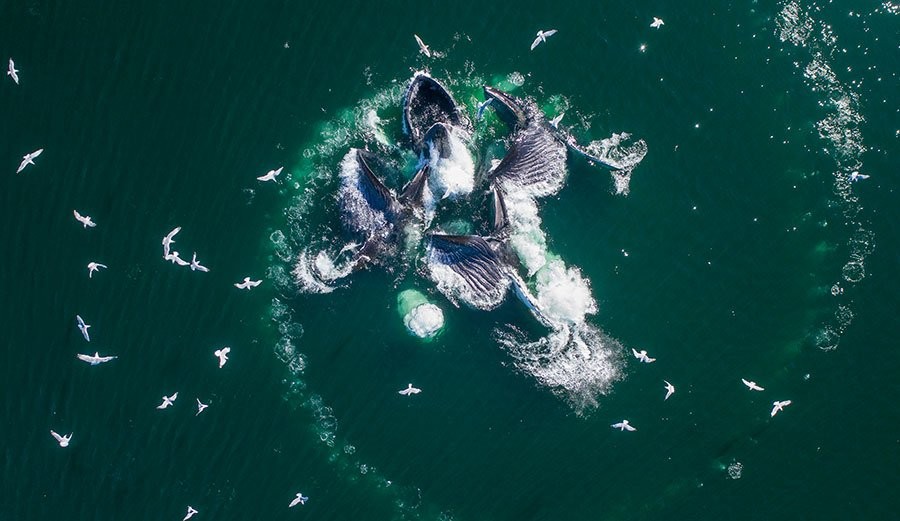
<point>472,258</point>
<point>375,192</point>
<point>414,192</point>
<point>501,221</point>
<point>536,161</point>
<point>580,150</point>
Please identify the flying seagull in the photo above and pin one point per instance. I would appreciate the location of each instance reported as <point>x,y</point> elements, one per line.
<point>642,356</point>
<point>173,256</point>
<point>657,23</point>
<point>196,266</point>
<point>481,106</point>
<point>623,426</point>
<point>670,390</point>
<point>168,240</point>
<point>299,500</point>
<point>223,355</point>
<point>200,407</point>
<point>167,401</point>
<point>190,513</point>
<point>94,266</point>
<point>28,159</point>
<point>555,121</point>
<point>271,175</point>
<point>12,72</point>
<point>422,47</point>
<point>95,359</point>
<point>856,176</point>
<point>410,390</point>
<point>85,220</point>
<point>779,406</point>
<point>83,328</point>
<point>247,284</point>
<point>752,385</point>
<point>63,440</point>
<point>542,37</point>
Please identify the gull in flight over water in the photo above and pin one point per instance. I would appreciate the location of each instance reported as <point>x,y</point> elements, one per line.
<point>12,72</point>
<point>299,500</point>
<point>642,356</point>
<point>247,284</point>
<point>422,47</point>
<point>196,266</point>
<point>542,37</point>
<point>85,220</point>
<point>83,328</point>
<point>190,513</point>
<point>657,23</point>
<point>168,240</point>
<point>63,440</point>
<point>173,256</point>
<point>167,401</point>
<point>271,175</point>
<point>752,385</point>
<point>28,159</point>
<point>410,390</point>
<point>856,176</point>
<point>94,266</point>
<point>95,359</point>
<point>779,406</point>
<point>223,355</point>
<point>200,407</point>
<point>481,106</point>
<point>555,121</point>
<point>623,426</point>
<point>670,390</point>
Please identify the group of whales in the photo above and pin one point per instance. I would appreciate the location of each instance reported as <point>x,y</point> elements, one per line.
<point>483,264</point>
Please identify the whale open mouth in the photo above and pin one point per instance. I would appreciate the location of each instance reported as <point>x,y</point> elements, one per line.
<point>426,103</point>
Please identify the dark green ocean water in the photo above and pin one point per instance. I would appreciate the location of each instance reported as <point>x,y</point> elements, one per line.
<point>749,254</point>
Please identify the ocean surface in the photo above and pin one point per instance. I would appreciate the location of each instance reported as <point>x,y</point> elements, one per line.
<point>731,245</point>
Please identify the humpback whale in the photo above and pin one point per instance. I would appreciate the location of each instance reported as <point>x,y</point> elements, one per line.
<point>521,115</point>
<point>425,104</point>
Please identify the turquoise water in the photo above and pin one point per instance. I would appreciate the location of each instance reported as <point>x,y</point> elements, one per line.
<point>749,254</point>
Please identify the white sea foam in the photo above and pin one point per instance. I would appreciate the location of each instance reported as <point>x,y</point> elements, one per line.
<point>424,320</point>
<point>452,176</point>
<point>564,294</point>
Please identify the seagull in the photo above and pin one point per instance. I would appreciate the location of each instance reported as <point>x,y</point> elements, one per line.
<point>856,176</point>
<point>95,359</point>
<point>642,356</point>
<point>190,513</point>
<point>623,426</point>
<point>410,390</point>
<point>63,440</point>
<point>196,266</point>
<point>657,23</point>
<point>223,355</point>
<point>542,37</point>
<point>301,499</point>
<point>422,47</point>
<point>94,266</point>
<point>481,106</point>
<point>247,284</point>
<point>670,390</point>
<point>83,327</point>
<point>28,159</point>
<point>200,407</point>
<point>555,121</point>
<point>167,401</point>
<point>752,385</point>
<point>84,219</point>
<point>779,406</point>
<point>12,72</point>
<point>175,259</point>
<point>168,240</point>
<point>271,175</point>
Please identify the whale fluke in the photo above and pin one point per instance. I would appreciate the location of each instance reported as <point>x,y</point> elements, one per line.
<point>535,161</point>
<point>427,102</point>
<point>414,192</point>
<point>472,258</point>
